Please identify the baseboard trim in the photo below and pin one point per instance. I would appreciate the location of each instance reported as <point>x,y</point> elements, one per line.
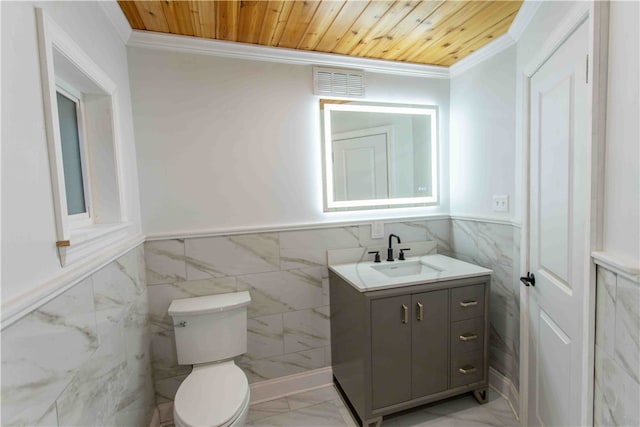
<point>291,384</point>
<point>503,386</point>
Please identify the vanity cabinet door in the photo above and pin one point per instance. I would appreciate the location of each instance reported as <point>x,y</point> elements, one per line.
<point>429,342</point>
<point>391,350</point>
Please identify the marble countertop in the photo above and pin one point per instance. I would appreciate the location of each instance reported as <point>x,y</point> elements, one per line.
<point>367,275</point>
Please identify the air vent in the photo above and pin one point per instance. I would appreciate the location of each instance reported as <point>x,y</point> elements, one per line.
<point>338,82</point>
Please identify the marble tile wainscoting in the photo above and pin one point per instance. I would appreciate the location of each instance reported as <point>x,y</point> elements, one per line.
<point>83,358</point>
<point>286,274</point>
<point>617,354</point>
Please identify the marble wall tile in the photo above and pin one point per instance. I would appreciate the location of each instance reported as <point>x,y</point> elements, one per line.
<point>283,291</point>
<point>42,351</point>
<point>308,248</point>
<point>495,244</point>
<point>627,326</point>
<point>165,261</point>
<point>464,240</point>
<point>232,255</point>
<point>617,358</point>
<point>410,231</point>
<point>306,329</point>
<point>83,358</point>
<point>280,366</point>
<point>606,310</point>
<point>265,336</point>
<point>617,394</point>
<point>439,231</point>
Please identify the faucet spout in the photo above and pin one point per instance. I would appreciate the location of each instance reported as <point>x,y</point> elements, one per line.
<point>390,250</point>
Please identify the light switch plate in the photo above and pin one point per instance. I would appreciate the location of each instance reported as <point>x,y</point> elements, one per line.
<point>501,203</point>
<point>377,230</point>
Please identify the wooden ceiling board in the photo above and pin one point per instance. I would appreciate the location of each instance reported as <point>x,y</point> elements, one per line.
<point>402,32</point>
<point>281,23</point>
<point>152,15</point>
<point>374,11</point>
<point>451,44</point>
<point>298,22</point>
<point>227,20</point>
<point>449,23</point>
<point>470,46</point>
<point>435,32</point>
<point>380,31</point>
<point>322,20</point>
<point>203,15</point>
<point>251,19</point>
<point>340,25</point>
<point>178,17</point>
<point>130,10</point>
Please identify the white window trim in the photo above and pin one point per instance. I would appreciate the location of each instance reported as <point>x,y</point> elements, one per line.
<point>76,241</point>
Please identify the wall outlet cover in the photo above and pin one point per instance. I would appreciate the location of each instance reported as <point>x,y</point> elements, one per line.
<point>377,230</point>
<point>500,203</point>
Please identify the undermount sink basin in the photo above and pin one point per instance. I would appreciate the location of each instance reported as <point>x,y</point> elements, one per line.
<point>405,268</point>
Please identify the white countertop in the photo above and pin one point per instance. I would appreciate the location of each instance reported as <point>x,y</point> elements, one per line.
<point>365,277</point>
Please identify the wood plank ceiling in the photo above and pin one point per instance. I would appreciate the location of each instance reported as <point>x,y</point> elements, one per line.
<point>437,32</point>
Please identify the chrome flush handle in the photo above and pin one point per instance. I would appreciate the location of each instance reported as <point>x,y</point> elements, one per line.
<point>182,324</point>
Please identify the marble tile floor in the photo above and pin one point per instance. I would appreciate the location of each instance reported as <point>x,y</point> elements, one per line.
<point>324,407</point>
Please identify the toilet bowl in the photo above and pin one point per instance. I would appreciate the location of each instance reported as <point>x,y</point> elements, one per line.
<point>212,395</point>
<point>210,331</point>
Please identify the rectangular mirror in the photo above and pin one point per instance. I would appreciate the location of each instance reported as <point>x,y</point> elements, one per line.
<point>379,155</point>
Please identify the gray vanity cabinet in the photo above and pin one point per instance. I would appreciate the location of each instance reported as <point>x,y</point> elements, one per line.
<point>398,348</point>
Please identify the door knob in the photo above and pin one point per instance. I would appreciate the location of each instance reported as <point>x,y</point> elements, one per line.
<point>529,279</point>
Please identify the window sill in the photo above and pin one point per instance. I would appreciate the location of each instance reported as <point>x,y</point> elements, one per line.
<point>86,242</point>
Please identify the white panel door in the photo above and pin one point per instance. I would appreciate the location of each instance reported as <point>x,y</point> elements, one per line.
<point>360,167</point>
<point>559,234</point>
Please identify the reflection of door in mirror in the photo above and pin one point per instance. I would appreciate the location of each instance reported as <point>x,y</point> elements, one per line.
<point>360,164</point>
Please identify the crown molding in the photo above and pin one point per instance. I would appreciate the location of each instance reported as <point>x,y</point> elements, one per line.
<point>117,19</point>
<point>195,45</point>
<point>523,18</point>
<point>485,52</point>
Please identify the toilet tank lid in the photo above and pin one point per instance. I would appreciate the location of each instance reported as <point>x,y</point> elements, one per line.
<point>209,304</point>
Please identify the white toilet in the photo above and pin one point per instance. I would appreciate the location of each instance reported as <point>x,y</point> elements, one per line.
<point>210,331</point>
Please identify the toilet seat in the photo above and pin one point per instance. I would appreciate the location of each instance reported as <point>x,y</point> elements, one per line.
<point>212,395</point>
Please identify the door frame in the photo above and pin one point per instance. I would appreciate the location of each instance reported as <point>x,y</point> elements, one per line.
<point>596,15</point>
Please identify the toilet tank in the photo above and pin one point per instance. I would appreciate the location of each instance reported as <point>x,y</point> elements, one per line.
<point>210,328</point>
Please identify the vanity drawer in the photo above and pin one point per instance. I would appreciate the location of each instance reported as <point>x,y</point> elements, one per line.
<point>467,335</point>
<point>467,302</point>
<point>466,368</point>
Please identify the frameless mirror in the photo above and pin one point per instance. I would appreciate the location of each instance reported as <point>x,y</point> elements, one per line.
<point>379,155</point>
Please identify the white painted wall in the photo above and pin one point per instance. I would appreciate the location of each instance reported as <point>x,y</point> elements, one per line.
<point>482,147</point>
<point>29,255</point>
<point>622,168</point>
<point>225,144</point>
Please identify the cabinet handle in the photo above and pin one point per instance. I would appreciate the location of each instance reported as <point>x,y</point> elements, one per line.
<point>420,311</point>
<point>469,337</point>
<point>405,314</point>
<point>467,370</point>
<point>465,304</point>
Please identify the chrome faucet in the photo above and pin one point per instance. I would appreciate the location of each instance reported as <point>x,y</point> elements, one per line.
<point>390,250</point>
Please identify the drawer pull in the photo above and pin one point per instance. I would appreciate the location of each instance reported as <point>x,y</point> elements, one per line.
<point>465,304</point>
<point>469,337</point>
<point>467,370</point>
<point>405,314</point>
<point>420,311</point>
